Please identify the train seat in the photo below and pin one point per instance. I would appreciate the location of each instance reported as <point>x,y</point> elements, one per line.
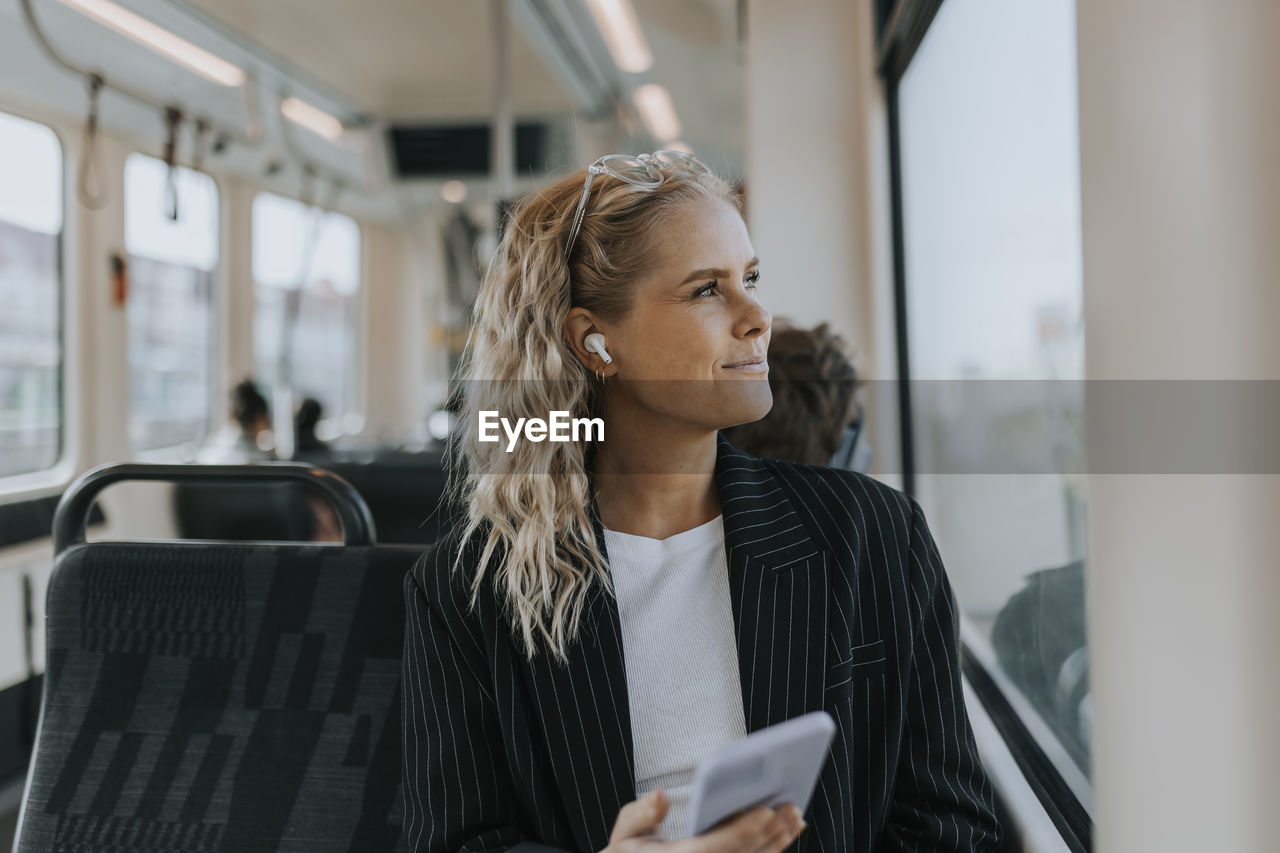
<point>242,511</point>
<point>405,493</point>
<point>219,696</point>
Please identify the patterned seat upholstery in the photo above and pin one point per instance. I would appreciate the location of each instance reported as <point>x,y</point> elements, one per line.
<point>220,697</point>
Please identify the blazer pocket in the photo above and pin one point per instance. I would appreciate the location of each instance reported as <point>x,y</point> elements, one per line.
<point>862,662</point>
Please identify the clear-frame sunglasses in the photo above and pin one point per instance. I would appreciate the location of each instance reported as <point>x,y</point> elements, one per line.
<point>641,170</point>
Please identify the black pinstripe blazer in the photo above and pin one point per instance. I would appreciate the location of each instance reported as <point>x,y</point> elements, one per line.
<point>840,603</point>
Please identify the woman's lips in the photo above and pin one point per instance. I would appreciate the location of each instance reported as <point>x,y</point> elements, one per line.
<point>761,366</point>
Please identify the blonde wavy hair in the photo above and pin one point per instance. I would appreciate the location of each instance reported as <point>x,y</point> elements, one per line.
<point>532,509</point>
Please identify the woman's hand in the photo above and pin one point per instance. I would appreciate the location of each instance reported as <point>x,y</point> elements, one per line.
<point>761,830</point>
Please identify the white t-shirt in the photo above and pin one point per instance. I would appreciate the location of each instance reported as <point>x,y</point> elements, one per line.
<point>681,655</point>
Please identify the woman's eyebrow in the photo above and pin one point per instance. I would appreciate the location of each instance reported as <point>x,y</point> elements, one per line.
<point>709,272</point>
<point>715,272</point>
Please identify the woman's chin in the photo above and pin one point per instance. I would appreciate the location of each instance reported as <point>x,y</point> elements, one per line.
<point>710,405</point>
<point>741,403</point>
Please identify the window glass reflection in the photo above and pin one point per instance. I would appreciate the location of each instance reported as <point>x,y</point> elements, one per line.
<point>306,272</point>
<point>991,201</point>
<point>30,284</point>
<point>170,302</point>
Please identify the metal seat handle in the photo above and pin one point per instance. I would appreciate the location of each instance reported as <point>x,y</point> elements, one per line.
<point>72,514</point>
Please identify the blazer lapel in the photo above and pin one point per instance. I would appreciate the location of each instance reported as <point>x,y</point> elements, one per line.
<point>778,584</point>
<point>586,718</point>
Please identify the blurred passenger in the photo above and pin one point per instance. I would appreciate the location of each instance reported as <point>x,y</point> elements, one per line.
<point>242,442</point>
<point>813,384</point>
<point>325,526</point>
<point>305,419</point>
<point>609,612</point>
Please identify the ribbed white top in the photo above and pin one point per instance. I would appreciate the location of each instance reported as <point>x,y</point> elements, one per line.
<point>681,656</point>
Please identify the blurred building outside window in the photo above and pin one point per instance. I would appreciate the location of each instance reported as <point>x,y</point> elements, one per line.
<point>171,311</point>
<point>31,346</point>
<point>991,212</point>
<point>306,272</point>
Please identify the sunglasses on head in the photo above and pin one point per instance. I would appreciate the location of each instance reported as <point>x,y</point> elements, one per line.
<point>639,170</point>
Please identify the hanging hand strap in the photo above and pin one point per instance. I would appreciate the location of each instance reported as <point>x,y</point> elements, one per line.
<point>172,118</point>
<point>90,186</point>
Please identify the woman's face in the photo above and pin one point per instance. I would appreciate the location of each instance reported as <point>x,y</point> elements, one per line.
<point>694,344</point>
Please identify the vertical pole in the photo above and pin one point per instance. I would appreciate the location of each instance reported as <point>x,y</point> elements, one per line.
<point>502,139</point>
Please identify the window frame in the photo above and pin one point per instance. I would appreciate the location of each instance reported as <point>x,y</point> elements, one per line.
<point>901,26</point>
<point>21,493</point>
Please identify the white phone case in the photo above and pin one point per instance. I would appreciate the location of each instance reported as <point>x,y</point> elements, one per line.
<point>771,767</point>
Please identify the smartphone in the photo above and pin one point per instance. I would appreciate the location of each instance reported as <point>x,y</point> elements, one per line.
<point>772,767</point>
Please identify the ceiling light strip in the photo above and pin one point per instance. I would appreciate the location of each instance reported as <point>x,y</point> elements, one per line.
<point>312,118</point>
<point>144,32</point>
<point>621,30</point>
<point>658,112</point>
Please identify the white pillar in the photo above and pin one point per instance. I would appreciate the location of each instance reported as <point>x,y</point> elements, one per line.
<point>1180,168</point>
<point>816,170</point>
<point>394,369</point>
<point>101,324</point>
<point>818,187</point>
<point>234,301</point>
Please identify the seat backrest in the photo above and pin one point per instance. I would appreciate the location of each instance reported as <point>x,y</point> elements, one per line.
<point>405,494</point>
<point>242,511</point>
<point>220,697</point>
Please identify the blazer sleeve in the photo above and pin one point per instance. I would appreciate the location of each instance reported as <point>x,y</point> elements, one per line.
<point>458,793</point>
<point>943,800</point>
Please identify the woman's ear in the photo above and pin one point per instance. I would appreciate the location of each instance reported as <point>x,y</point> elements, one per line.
<point>577,326</point>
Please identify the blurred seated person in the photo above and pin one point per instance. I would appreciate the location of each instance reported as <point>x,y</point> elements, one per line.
<point>305,442</point>
<point>295,513</point>
<point>325,526</point>
<point>239,443</point>
<point>814,418</point>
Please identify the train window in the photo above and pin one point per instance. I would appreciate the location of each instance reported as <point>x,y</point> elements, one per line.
<point>30,291</point>
<point>990,195</point>
<point>306,272</point>
<point>171,236</point>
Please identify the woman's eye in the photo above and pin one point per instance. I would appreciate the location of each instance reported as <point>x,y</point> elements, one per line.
<point>753,279</point>
<point>705,290</point>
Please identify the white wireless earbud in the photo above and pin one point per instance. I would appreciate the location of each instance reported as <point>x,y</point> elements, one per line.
<point>595,343</point>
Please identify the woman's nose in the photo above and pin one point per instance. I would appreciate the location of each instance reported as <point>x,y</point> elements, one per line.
<point>754,320</point>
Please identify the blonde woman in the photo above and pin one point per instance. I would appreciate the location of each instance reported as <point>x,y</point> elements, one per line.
<point>611,611</point>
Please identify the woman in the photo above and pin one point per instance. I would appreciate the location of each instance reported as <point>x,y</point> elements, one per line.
<point>612,611</point>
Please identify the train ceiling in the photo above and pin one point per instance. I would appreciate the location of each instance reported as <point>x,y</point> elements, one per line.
<point>397,59</point>
<point>382,62</point>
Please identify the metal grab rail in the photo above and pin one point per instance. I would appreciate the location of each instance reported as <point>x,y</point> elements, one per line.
<point>72,514</point>
<point>251,136</point>
<point>248,138</point>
